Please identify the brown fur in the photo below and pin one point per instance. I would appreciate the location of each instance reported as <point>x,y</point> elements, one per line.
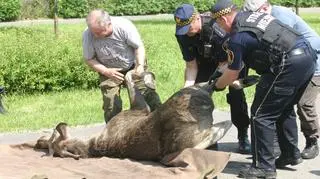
<point>183,121</point>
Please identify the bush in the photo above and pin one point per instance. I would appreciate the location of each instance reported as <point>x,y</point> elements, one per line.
<point>33,9</point>
<point>9,10</point>
<point>80,8</point>
<point>36,61</point>
<point>141,7</point>
<point>73,8</point>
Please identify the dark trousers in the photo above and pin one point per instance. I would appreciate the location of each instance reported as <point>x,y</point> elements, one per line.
<point>235,98</point>
<point>238,107</point>
<point>276,94</point>
<point>307,111</point>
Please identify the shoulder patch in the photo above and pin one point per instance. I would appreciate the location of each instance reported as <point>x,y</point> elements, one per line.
<point>230,54</point>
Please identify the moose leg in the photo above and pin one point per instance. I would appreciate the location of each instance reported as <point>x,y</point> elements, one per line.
<point>50,141</point>
<point>65,153</point>
<point>62,128</point>
<point>217,131</point>
<point>137,100</point>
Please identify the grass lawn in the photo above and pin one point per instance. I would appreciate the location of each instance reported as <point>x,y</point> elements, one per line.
<point>81,107</point>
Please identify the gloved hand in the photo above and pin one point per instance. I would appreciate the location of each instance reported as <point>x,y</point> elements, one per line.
<point>212,85</point>
<point>245,82</point>
<point>214,77</point>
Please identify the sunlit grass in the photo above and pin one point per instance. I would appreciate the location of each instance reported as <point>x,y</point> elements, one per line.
<point>81,107</point>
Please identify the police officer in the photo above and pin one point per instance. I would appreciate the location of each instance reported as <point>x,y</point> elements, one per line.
<point>286,63</point>
<point>201,50</point>
<point>307,111</point>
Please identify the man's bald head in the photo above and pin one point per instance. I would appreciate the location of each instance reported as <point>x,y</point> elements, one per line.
<point>98,18</point>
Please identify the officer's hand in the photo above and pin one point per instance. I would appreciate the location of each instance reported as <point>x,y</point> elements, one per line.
<point>214,77</point>
<point>245,82</point>
<point>114,74</point>
<point>213,84</point>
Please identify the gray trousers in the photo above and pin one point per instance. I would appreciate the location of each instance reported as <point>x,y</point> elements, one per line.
<point>307,111</point>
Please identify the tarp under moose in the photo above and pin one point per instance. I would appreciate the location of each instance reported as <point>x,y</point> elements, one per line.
<point>26,163</point>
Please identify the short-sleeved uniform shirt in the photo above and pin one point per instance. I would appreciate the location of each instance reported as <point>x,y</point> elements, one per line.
<point>191,48</point>
<point>116,50</point>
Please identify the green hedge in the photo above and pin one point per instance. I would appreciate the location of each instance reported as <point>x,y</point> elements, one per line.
<point>33,60</point>
<point>9,10</point>
<point>79,8</point>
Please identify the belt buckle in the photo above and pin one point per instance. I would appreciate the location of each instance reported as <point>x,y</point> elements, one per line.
<point>297,51</point>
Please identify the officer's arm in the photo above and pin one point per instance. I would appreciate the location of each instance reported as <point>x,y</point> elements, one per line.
<point>227,78</point>
<point>191,71</point>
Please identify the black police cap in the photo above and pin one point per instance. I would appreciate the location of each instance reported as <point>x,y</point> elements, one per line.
<point>221,8</point>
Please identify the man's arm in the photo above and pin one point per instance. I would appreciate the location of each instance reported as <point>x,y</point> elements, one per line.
<point>191,71</point>
<point>140,59</point>
<point>112,73</point>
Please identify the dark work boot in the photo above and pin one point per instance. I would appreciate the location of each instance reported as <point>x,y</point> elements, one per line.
<point>244,144</point>
<point>312,149</point>
<point>282,161</point>
<point>254,173</point>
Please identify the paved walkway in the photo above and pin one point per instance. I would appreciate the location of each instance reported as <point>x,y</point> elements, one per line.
<point>309,169</point>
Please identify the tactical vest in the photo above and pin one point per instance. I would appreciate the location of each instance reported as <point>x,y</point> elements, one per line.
<point>275,37</point>
<point>209,38</point>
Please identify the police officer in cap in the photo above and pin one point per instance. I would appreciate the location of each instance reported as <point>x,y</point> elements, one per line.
<point>201,49</point>
<point>286,63</point>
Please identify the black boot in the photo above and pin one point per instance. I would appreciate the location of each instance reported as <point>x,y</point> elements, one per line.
<point>283,161</point>
<point>254,173</point>
<point>312,149</point>
<point>244,144</point>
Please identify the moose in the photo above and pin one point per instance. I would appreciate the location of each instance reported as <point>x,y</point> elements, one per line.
<point>183,121</point>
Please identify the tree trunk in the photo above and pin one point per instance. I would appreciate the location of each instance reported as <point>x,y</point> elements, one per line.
<point>297,7</point>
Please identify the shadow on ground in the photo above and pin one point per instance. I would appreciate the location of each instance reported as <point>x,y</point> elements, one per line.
<point>315,172</point>
<point>233,167</point>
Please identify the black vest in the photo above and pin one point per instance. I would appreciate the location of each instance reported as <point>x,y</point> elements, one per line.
<point>275,37</point>
<point>211,37</point>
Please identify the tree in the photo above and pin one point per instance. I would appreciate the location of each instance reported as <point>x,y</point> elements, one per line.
<point>297,7</point>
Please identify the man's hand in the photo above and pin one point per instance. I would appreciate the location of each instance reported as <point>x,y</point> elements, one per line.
<point>139,69</point>
<point>114,74</point>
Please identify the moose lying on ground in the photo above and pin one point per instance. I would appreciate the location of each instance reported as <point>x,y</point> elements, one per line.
<point>183,121</point>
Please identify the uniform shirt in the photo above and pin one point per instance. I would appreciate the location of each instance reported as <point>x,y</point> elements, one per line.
<point>190,47</point>
<point>241,44</point>
<point>116,50</point>
<point>289,18</point>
